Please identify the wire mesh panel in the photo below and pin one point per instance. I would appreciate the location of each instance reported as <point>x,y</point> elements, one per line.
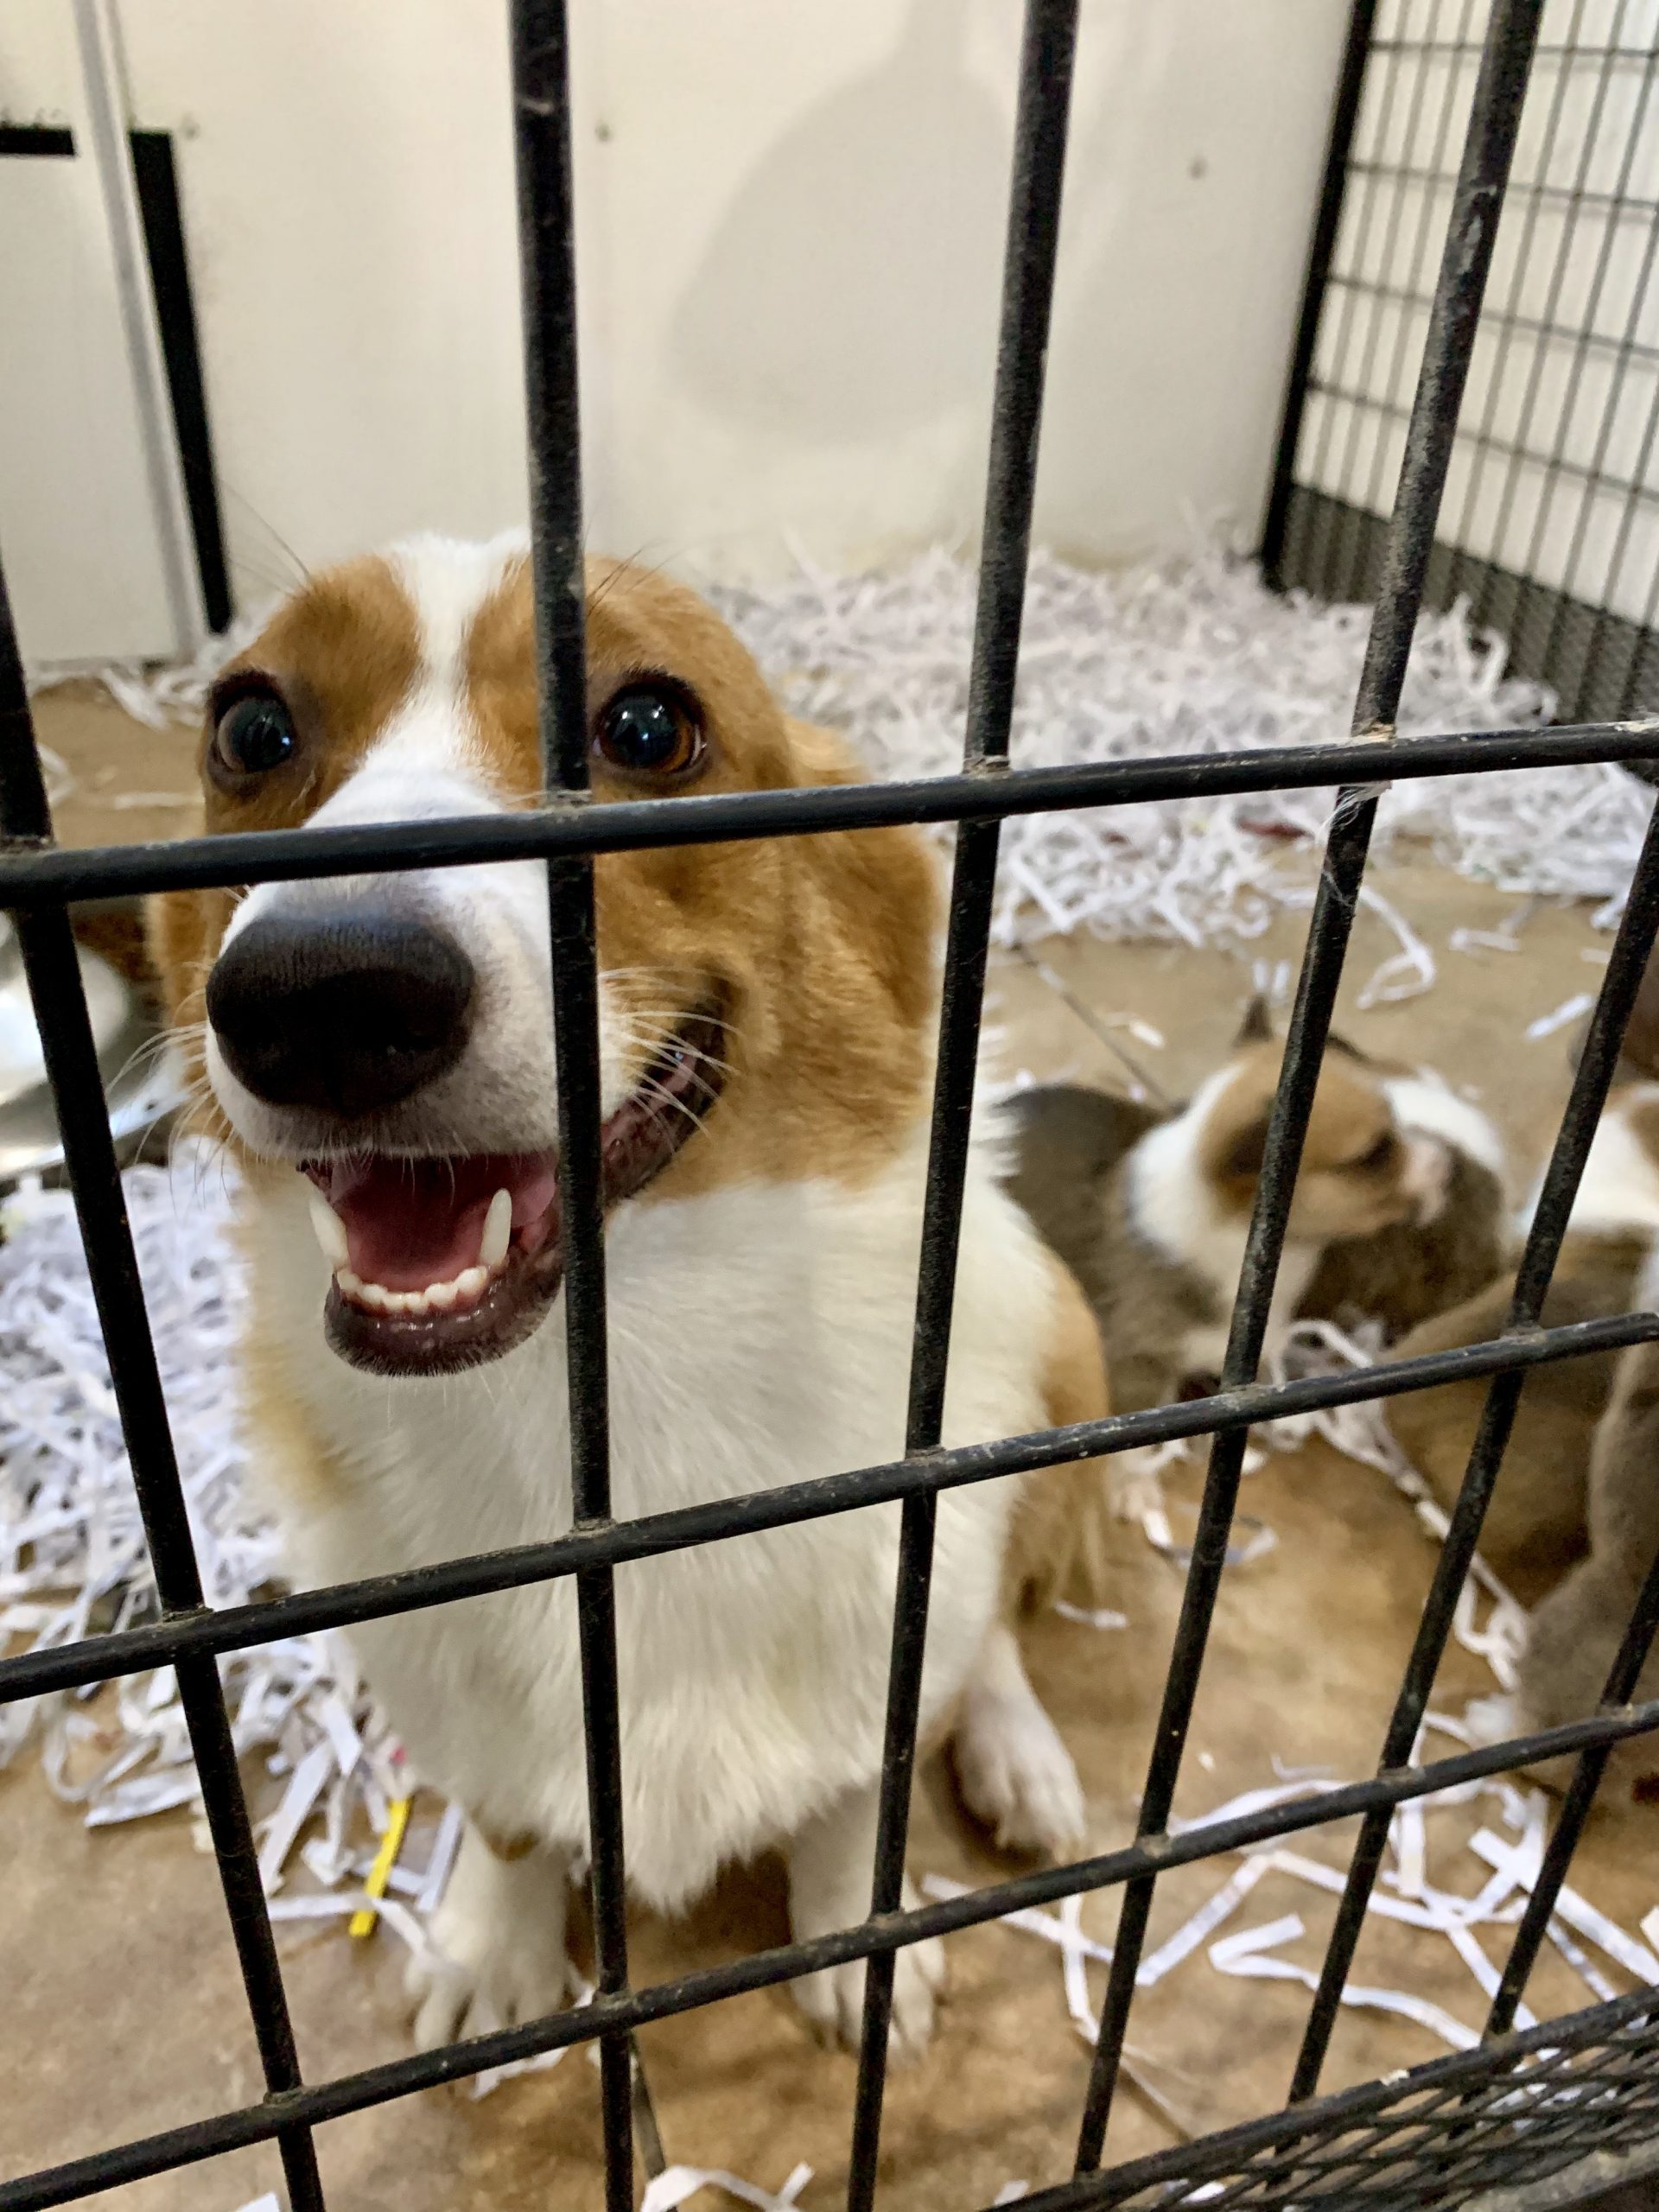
<point>1521,2104</point>
<point>1550,524</point>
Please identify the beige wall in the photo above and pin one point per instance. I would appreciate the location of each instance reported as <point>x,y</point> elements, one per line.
<point>791,215</point>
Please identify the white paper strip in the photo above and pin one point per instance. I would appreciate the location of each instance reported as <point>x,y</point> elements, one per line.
<point>297,1804</point>
<point>1578,1912</point>
<point>1219,1907</point>
<point>670,2188</point>
<point>1091,1616</point>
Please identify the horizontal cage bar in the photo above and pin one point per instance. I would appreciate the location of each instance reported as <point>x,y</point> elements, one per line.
<point>126,1651</point>
<point>33,876</point>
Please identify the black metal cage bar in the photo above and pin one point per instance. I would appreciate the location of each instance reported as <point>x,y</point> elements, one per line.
<point>547,247</point>
<point>1027,291</point>
<point>1550,530</point>
<point>1525,2103</point>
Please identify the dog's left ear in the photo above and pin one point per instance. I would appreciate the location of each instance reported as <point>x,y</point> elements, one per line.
<point>1256,1028</point>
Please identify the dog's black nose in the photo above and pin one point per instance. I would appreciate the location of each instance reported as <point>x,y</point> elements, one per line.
<point>343,1010</point>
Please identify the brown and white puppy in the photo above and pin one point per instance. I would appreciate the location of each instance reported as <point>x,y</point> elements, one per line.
<point>377,1048</point>
<point>1151,1213</point>
<point>1536,1523</point>
<point>1575,1632</point>
<point>1406,1272</point>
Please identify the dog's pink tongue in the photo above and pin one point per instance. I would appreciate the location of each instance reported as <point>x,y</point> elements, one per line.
<point>409,1222</point>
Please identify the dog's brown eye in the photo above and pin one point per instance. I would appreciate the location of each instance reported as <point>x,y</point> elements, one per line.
<point>255,734</point>
<point>651,729</point>
<point>1380,1154</point>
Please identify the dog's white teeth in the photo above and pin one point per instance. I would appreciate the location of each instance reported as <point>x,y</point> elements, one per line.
<point>498,1230</point>
<point>465,1290</point>
<point>330,1231</point>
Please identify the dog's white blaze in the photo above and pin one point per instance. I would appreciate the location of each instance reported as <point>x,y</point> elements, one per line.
<point>427,764</point>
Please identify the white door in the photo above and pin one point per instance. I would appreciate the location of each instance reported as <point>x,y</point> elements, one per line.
<point>93,532</point>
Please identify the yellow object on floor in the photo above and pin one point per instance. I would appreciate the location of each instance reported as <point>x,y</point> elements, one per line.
<point>363,1923</point>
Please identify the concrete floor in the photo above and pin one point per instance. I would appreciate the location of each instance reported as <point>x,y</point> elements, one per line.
<point>122,2011</point>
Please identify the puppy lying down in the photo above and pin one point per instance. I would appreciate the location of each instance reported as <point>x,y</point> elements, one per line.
<point>1151,1212</point>
<point>377,1049</point>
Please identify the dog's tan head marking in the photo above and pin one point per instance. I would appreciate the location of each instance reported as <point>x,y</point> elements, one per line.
<point>765,1006</point>
<point>1358,1172</point>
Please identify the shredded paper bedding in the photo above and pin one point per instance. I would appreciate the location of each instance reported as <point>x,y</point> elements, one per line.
<point>1194,655</point>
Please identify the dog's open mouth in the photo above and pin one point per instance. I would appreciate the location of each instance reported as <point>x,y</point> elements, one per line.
<point>445,1261</point>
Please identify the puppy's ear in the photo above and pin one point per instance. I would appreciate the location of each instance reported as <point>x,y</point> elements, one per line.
<point>1256,1028</point>
<point>1639,1053</point>
<point>1334,1043</point>
<point>1246,1149</point>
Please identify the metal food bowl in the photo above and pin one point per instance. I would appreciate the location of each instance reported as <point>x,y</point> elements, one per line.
<point>142,1086</point>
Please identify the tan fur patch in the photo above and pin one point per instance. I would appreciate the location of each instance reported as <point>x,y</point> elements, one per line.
<point>1059,1545</point>
<point>1350,1178</point>
<point>823,946</point>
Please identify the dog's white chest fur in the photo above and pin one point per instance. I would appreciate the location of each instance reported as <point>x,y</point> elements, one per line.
<point>758,1336</point>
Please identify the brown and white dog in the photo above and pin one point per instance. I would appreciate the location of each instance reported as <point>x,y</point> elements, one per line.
<point>1151,1214</point>
<point>378,1050</point>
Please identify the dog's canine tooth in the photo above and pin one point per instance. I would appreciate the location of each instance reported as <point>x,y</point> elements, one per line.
<point>498,1230</point>
<point>330,1231</point>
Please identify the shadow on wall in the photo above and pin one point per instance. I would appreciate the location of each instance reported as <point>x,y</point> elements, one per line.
<point>850,289</point>
<point>849,292</point>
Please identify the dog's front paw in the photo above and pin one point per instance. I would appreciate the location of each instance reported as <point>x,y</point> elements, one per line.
<point>496,1987</point>
<point>1134,1486</point>
<point>497,1957</point>
<point>1017,1778</point>
<point>834,2000</point>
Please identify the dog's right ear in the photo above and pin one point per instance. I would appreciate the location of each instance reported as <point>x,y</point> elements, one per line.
<point>1256,1028</point>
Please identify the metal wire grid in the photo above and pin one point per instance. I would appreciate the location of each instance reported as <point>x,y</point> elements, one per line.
<point>1516,2106</point>
<point>1551,524</point>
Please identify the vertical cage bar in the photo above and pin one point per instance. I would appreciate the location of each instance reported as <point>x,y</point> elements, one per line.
<point>1484,439</point>
<point>547,255</point>
<point>1622,1678</point>
<point>1407,286</point>
<point>1043,111</point>
<point>1345,114</point>
<point>1368,407</point>
<point>52,971</point>
<point>1519,452</point>
<point>1323,478</point>
<point>1476,207</point>
<point>1625,966</point>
